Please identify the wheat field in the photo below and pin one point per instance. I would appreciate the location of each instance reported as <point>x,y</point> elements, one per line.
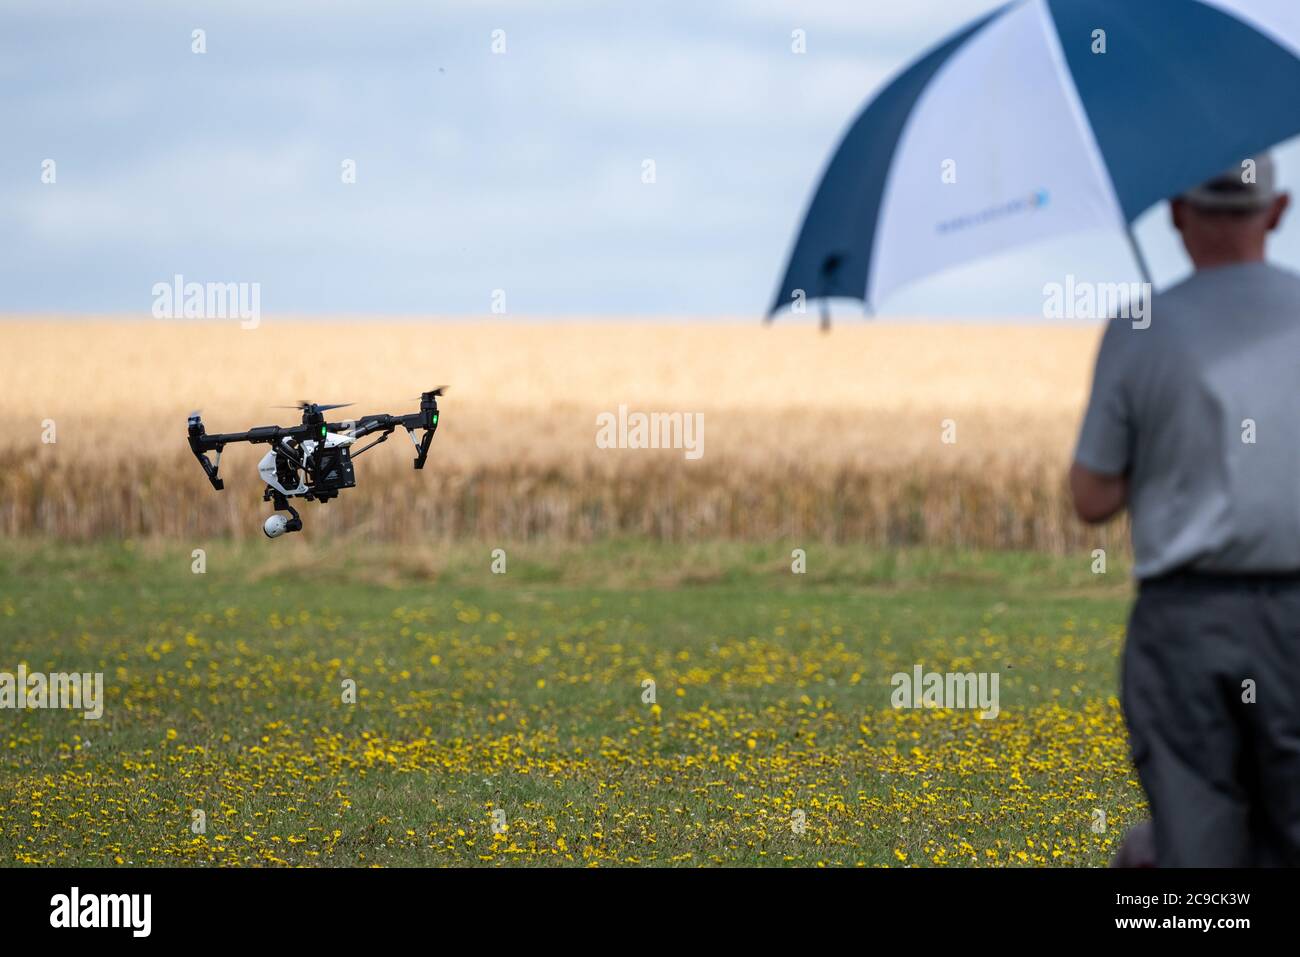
<point>835,438</point>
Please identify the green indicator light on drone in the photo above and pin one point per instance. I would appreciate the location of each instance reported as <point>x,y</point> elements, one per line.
<point>322,431</point>
<point>435,420</point>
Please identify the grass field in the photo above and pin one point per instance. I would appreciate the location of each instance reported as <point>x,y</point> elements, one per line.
<point>500,720</point>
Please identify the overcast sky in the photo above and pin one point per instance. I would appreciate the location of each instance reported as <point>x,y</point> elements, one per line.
<point>475,171</point>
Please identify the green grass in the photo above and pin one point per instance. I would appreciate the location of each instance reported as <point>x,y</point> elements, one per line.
<point>523,694</point>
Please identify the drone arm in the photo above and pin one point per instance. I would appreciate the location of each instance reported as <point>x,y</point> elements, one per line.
<point>263,433</point>
<point>426,419</point>
<point>367,425</point>
<point>201,443</point>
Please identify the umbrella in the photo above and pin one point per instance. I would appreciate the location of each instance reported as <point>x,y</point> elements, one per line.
<point>1042,118</point>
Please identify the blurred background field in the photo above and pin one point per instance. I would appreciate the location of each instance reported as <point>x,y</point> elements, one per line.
<point>831,438</point>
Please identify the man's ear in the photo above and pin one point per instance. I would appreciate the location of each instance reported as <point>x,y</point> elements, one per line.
<point>1177,211</point>
<point>1278,210</point>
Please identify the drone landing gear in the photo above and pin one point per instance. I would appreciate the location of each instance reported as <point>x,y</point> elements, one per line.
<point>277,525</point>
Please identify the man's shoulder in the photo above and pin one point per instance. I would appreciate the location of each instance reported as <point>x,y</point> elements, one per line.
<point>1280,277</point>
<point>1191,313</point>
<point>1289,274</point>
<point>1232,279</point>
<point>1213,295</point>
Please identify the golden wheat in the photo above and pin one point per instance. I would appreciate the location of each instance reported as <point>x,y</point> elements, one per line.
<point>832,437</point>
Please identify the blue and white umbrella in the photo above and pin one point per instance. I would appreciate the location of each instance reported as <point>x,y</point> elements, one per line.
<point>1045,117</point>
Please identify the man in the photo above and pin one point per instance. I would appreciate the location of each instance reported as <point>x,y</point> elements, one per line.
<point>1194,425</point>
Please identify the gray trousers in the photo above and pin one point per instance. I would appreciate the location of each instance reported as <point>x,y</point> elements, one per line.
<point>1222,775</point>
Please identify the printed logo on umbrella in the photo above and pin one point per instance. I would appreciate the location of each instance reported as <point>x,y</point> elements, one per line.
<point>1021,204</point>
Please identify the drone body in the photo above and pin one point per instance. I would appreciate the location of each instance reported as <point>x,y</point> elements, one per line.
<point>312,460</point>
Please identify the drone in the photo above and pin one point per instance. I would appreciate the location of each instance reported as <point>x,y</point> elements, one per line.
<point>313,460</point>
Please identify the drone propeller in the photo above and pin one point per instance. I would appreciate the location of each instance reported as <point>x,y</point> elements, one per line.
<point>439,390</point>
<point>305,406</point>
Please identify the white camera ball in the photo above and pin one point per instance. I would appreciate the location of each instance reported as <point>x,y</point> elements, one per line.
<point>274,526</point>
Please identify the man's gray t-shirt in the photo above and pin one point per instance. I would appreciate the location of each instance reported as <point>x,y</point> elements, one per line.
<point>1202,411</point>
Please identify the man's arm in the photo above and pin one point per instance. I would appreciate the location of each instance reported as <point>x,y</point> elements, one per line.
<point>1103,455</point>
<point>1096,496</point>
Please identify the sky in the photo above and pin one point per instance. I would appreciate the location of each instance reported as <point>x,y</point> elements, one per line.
<point>476,171</point>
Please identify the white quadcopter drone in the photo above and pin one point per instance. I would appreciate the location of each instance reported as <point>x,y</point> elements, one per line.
<point>312,460</point>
